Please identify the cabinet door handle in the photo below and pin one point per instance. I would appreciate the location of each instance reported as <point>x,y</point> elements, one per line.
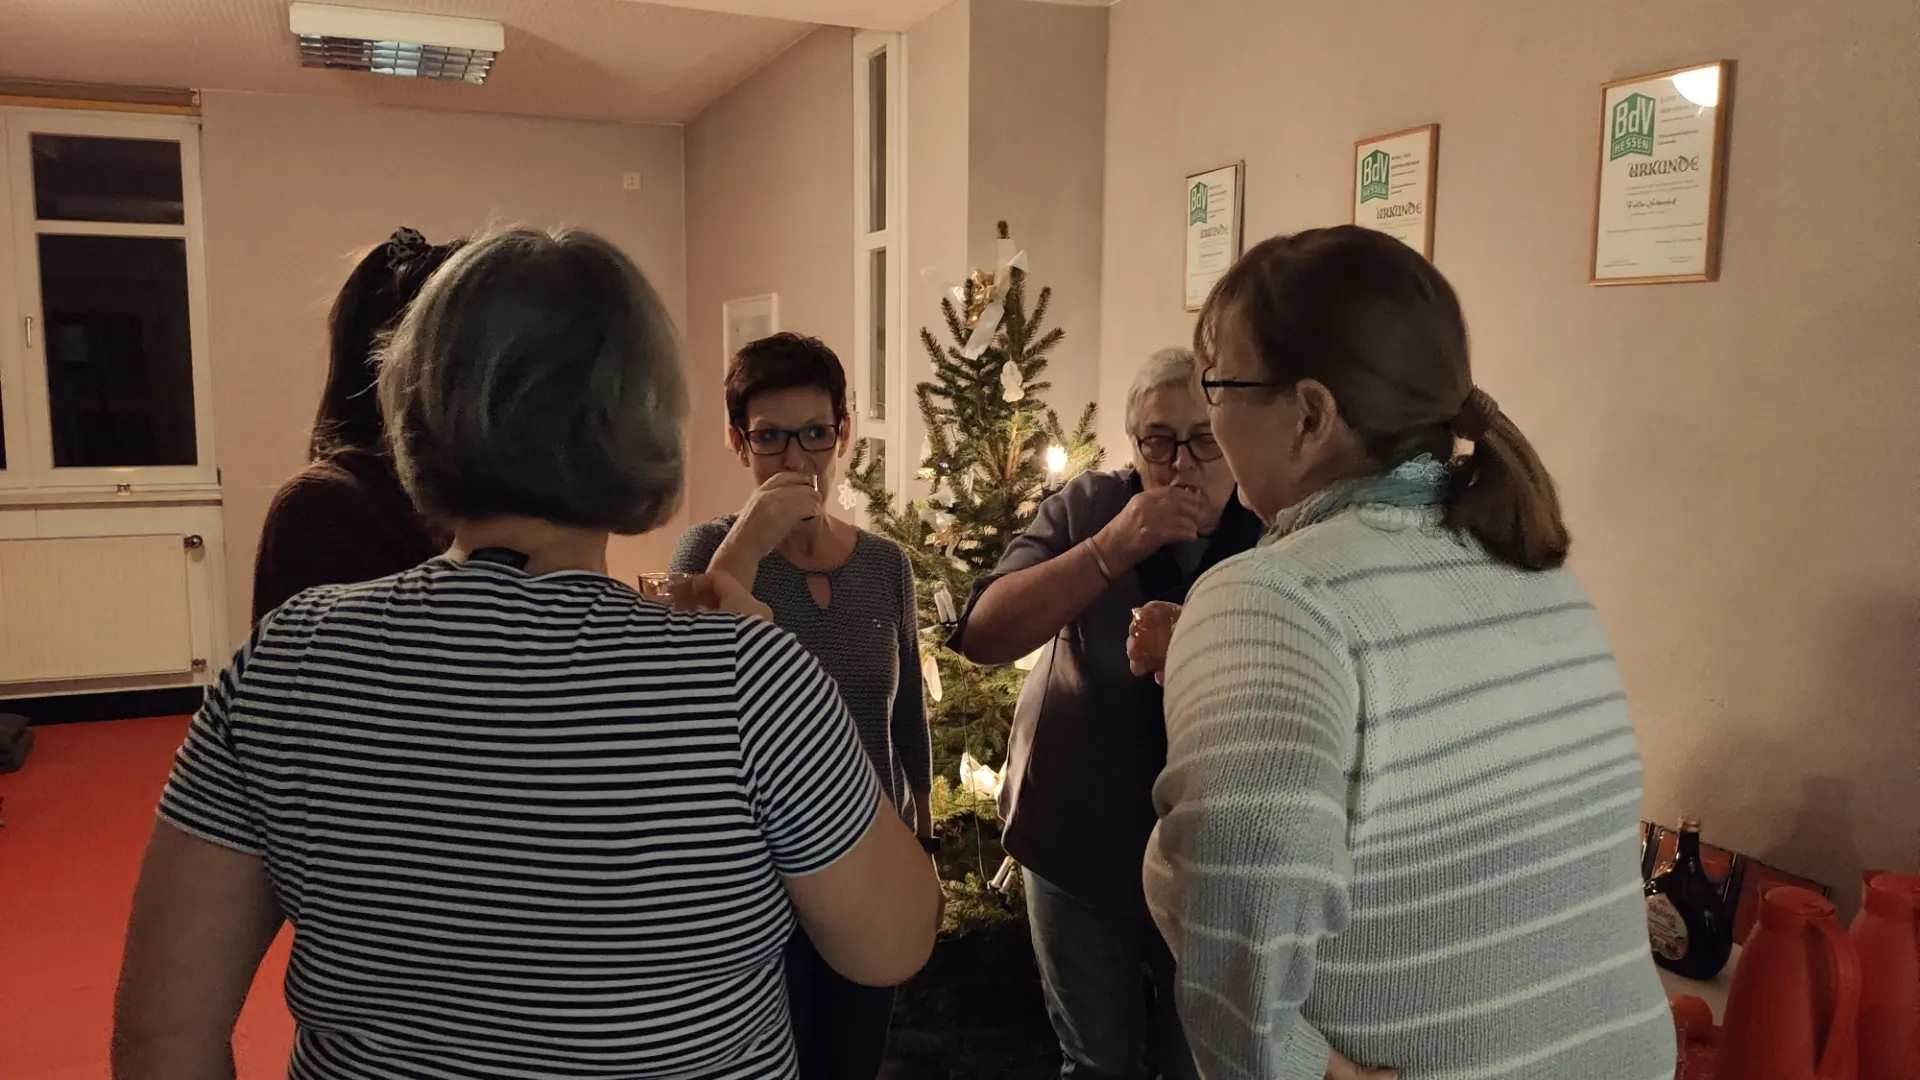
<point>29,331</point>
<point>192,543</point>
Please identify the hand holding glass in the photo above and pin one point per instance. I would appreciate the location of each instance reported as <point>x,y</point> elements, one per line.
<point>1148,638</point>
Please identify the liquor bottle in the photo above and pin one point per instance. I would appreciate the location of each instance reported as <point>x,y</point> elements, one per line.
<point>1688,924</point>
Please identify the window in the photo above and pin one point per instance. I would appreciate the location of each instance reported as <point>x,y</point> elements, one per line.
<point>103,374</point>
<point>879,231</point>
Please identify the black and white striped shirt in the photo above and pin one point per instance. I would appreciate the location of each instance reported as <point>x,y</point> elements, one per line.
<point>527,826</point>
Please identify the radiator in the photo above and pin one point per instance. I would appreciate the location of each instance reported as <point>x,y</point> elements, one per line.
<point>94,607</point>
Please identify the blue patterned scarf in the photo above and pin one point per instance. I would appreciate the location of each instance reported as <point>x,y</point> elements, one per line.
<point>1420,484</point>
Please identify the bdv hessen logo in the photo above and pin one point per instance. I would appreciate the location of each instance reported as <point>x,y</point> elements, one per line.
<point>1376,176</point>
<point>1631,127</point>
<point>1197,212</point>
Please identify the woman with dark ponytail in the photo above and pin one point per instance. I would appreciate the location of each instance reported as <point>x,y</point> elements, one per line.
<point>1397,818</point>
<point>345,518</point>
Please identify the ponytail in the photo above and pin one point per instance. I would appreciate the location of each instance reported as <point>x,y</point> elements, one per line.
<point>1501,493</point>
<point>1376,324</point>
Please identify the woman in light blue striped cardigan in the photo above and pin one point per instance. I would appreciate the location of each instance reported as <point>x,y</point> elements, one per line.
<point>1397,818</point>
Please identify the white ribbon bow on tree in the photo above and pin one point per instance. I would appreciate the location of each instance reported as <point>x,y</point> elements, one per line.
<point>1009,257</point>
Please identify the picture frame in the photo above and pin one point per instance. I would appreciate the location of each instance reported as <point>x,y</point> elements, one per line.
<point>1215,219</point>
<point>1660,176</point>
<point>745,320</point>
<point>1400,172</point>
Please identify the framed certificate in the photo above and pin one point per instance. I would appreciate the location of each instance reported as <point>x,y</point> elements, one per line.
<point>746,320</point>
<point>1213,228</point>
<point>1393,185</point>
<point>1661,176</point>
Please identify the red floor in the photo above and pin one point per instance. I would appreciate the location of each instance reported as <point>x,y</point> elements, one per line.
<point>77,819</point>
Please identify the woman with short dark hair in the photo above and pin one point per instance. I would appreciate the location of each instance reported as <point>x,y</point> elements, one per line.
<point>345,518</point>
<point>848,595</point>
<point>523,821</point>
<point>1398,813</point>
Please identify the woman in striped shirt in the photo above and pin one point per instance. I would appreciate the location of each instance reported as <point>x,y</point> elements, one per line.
<point>524,823</point>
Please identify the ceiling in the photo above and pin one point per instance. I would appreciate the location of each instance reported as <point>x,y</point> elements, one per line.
<point>869,14</point>
<point>590,59</point>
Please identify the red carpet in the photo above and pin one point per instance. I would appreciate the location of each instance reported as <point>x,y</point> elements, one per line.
<point>77,819</point>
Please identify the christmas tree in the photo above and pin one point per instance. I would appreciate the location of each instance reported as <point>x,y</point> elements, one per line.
<point>993,451</point>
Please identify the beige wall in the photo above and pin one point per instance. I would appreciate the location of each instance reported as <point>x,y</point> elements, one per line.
<point>296,188</point>
<point>1006,104</point>
<point>1037,160</point>
<point>769,209</point>
<point>939,53</point>
<point>1738,459</point>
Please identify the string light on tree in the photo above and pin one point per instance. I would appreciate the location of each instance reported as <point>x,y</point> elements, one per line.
<point>1056,465</point>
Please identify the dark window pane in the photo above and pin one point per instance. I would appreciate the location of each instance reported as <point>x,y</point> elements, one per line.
<point>119,356</point>
<point>81,178</point>
<point>877,142</point>
<point>877,314</point>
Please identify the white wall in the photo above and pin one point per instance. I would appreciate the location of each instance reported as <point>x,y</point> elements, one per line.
<point>296,189</point>
<point>1737,459</point>
<point>769,210</point>
<point>1038,136</point>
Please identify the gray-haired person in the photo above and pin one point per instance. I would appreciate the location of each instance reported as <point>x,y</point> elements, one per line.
<point>522,821</point>
<point>1088,734</point>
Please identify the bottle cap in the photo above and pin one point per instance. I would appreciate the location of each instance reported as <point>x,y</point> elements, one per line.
<point>1689,823</point>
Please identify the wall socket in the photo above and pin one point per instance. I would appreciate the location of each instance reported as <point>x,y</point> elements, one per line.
<point>630,181</point>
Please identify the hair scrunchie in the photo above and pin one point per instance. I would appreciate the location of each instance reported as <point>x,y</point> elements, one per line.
<point>1476,415</point>
<point>405,245</point>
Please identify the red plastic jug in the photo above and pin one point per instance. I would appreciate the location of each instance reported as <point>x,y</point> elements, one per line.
<point>1886,934</point>
<point>1794,1007</point>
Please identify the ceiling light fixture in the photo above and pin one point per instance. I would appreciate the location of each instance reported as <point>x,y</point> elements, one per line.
<point>395,42</point>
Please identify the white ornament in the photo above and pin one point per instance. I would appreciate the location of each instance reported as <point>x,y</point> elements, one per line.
<point>942,521</point>
<point>979,781</point>
<point>849,498</point>
<point>943,604</point>
<point>930,675</point>
<point>1012,386</point>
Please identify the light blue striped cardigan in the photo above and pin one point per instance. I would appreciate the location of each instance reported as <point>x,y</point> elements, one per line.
<point>1398,811</point>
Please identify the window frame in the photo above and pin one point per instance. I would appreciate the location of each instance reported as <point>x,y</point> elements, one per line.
<point>891,239</point>
<point>23,367</point>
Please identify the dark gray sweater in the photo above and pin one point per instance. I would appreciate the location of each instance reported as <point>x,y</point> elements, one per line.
<point>867,638</point>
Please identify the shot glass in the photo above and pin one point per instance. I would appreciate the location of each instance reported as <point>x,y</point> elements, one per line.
<point>659,587</point>
<point>1148,637</point>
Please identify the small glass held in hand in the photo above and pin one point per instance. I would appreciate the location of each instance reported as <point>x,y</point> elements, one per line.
<point>1148,637</point>
<point>660,587</point>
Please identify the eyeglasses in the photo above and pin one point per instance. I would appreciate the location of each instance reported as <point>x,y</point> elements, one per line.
<point>1165,450</point>
<point>1211,386</point>
<point>772,441</point>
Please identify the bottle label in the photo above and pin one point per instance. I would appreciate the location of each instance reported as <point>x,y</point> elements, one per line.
<point>1666,930</point>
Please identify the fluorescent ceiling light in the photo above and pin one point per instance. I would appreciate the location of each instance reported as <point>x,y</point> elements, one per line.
<point>395,42</point>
